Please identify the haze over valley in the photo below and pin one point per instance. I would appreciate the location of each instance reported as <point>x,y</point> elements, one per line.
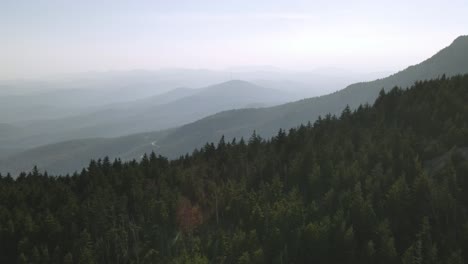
<point>181,119</point>
<point>233,132</point>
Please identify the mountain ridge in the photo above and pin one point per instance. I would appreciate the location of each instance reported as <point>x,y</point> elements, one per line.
<point>266,121</point>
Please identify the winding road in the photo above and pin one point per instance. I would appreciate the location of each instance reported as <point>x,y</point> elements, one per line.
<point>154,145</point>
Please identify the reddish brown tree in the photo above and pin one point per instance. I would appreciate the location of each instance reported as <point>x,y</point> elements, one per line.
<point>189,216</point>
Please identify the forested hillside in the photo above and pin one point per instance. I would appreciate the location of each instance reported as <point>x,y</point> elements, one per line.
<point>386,183</point>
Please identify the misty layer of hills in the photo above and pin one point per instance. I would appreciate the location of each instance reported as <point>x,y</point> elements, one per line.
<point>164,111</point>
<point>108,104</point>
<point>185,105</point>
<point>66,95</point>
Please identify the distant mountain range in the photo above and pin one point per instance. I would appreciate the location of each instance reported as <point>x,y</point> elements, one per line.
<point>43,111</point>
<point>70,156</point>
<point>66,95</point>
<point>170,109</point>
<point>180,107</point>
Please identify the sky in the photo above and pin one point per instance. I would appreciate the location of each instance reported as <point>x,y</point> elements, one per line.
<point>46,37</point>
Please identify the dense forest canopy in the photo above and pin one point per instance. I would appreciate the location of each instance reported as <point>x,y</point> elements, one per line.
<point>381,184</point>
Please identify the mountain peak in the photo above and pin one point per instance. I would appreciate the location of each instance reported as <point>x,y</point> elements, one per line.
<point>460,43</point>
<point>236,82</point>
<point>462,38</point>
<point>451,60</point>
<point>231,84</point>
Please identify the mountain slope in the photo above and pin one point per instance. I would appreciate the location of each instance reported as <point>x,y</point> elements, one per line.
<point>237,123</point>
<point>267,121</point>
<point>383,184</point>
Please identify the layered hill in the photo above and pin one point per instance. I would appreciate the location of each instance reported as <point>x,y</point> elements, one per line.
<point>238,123</point>
<point>163,111</point>
<point>450,61</point>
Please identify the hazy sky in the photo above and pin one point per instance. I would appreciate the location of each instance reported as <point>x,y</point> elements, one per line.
<point>41,37</point>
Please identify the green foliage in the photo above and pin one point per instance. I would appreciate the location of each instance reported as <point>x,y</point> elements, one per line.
<point>381,184</point>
